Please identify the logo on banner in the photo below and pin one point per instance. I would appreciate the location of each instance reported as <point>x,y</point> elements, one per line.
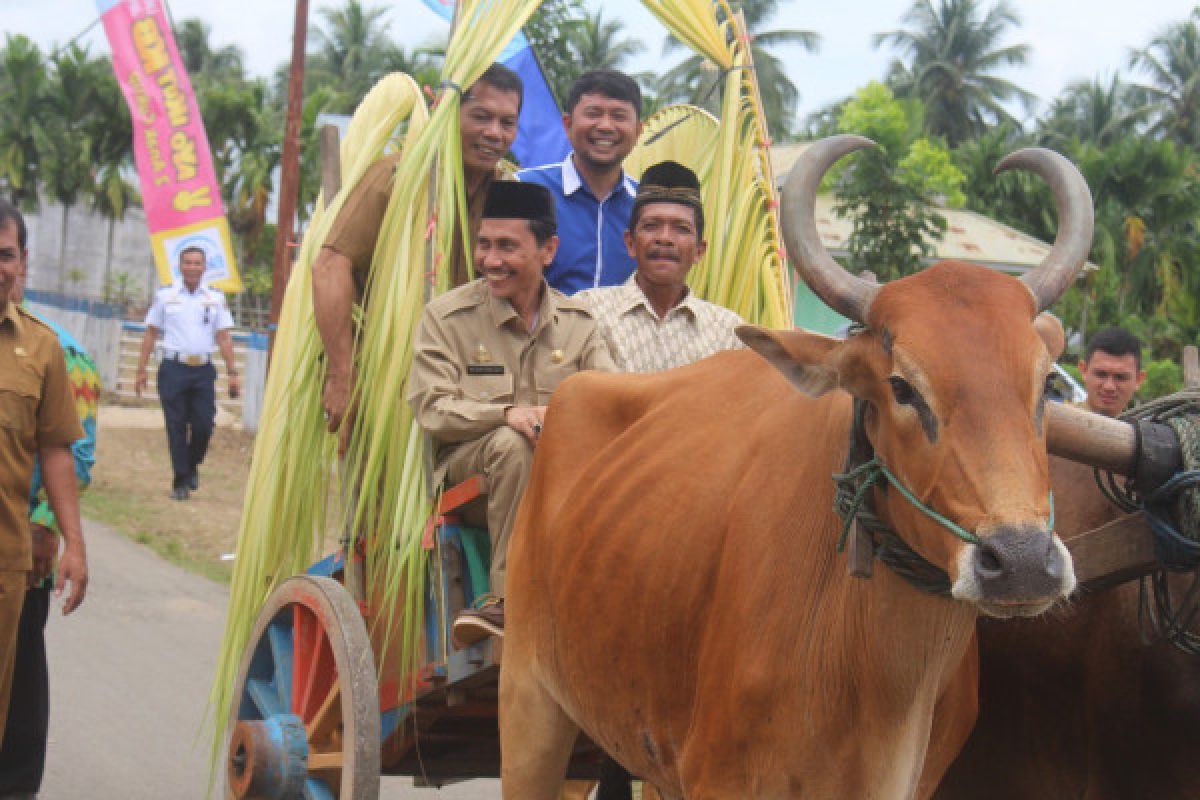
<point>211,236</point>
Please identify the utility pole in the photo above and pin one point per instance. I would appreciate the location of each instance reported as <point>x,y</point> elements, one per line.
<point>289,182</point>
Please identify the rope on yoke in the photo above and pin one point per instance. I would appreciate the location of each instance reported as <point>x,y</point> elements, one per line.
<point>1173,514</point>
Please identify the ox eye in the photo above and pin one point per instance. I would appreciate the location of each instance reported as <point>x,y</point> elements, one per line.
<point>903,391</point>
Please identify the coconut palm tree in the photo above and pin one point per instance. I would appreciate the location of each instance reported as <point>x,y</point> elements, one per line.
<point>601,43</point>
<point>351,50</point>
<point>200,60</point>
<point>23,88</point>
<point>110,131</point>
<point>67,153</point>
<point>1094,111</point>
<point>694,81</point>
<point>1172,61</point>
<point>951,52</point>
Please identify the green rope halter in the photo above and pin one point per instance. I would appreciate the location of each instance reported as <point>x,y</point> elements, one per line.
<point>852,501</point>
<point>871,472</point>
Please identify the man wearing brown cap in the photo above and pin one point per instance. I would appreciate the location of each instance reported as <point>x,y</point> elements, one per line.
<point>487,357</point>
<point>488,125</point>
<point>653,322</point>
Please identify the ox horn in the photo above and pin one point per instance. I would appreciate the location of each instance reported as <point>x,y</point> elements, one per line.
<point>1073,201</point>
<point>848,295</point>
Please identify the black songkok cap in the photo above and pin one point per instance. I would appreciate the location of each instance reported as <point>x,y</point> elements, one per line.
<point>669,182</point>
<point>516,200</point>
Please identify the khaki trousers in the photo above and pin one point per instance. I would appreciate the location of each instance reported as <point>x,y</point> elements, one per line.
<point>12,596</point>
<point>505,458</point>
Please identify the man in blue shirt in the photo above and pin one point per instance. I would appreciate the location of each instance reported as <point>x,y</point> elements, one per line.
<point>592,193</point>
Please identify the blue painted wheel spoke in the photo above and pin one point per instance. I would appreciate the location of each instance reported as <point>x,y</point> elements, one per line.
<point>279,634</point>
<point>265,696</point>
<point>317,789</point>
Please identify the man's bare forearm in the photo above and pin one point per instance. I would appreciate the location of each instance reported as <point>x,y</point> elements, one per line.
<point>225,343</point>
<point>333,303</point>
<point>58,473</point>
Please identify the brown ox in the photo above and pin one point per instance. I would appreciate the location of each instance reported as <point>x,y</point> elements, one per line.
<point>674,589</point>
<point>1074,705</point>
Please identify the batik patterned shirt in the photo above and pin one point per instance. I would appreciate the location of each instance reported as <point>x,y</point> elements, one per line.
<point>642,342</point>
<point>84,379</point>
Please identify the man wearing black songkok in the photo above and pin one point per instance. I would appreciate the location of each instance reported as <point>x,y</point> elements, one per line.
<point>653,321</point>
<point>487,357</point>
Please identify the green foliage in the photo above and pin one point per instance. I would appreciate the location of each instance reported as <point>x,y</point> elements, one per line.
<point>1163,377</point>
<point>1172,63</point>
<point>350,50</point>
<point>891,190</point>
<point>569,41</point>
<point>120,289</point>
<point>954,49</point>
<point>23,90</point>
<point>694,80</point>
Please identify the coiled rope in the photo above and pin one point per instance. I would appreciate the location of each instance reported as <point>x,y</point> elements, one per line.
<point>1173,513</point>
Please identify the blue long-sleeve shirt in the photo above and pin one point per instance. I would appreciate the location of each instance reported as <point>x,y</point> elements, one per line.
<point>591,231</point>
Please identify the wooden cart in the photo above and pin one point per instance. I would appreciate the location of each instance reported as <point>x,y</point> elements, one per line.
<point>311,718</point>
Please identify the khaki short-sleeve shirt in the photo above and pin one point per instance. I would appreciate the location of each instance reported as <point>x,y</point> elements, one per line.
<point>356,229</point>
<point>473,358</point>
<point>37,410</point>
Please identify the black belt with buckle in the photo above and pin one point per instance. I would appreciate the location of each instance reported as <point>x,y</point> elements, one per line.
<point>186,360</point>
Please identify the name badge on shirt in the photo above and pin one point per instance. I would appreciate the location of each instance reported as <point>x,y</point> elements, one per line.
<point>485,369</point>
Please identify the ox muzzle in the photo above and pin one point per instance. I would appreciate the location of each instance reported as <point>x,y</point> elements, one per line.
<point>1015,571</point>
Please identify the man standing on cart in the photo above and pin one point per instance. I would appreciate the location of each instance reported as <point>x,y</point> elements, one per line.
<point>488,124</point>
<point>487,357</point>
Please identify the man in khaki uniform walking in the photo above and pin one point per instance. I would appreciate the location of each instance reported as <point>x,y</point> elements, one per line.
<point>487,357</point>
<point>37,420</point>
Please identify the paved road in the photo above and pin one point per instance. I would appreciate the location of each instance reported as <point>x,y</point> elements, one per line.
<point>130,673</point>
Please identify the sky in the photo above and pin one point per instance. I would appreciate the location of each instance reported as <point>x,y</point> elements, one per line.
<point>1070,39</point>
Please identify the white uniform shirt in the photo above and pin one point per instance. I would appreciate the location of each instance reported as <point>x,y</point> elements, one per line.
<point>641,342</point>
<point>189,320</point>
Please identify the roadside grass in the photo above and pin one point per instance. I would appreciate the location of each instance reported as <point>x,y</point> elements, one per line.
<point>130,491</point>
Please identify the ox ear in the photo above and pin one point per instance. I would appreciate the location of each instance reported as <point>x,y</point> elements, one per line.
<point>1051,330</point>
<point>803,357</point>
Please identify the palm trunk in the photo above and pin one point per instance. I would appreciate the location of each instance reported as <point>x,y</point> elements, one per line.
<point>108,253</point>
<point>62,252</point>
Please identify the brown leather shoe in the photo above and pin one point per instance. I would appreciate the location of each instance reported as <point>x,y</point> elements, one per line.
<point>476,624</point>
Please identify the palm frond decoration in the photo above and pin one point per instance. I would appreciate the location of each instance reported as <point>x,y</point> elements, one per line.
<point>285,511</point>
<point>683,133</point>
<point>744,268</point>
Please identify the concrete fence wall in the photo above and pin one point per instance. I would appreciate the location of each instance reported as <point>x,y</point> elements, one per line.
<point>255,382</point>
<point>100,334</point>
<point>99,329</point>
<point>87,267</point>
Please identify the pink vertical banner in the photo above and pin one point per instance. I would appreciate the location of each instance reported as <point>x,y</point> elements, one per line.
<point>179,188</point>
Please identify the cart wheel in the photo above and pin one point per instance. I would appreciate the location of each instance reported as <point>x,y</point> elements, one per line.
<point>305,721</point>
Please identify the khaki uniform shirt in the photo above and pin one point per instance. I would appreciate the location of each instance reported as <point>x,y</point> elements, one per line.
<point>473,359</point>
<point>37,410</point>
<point>641,342</point>
<point>356,229</point>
